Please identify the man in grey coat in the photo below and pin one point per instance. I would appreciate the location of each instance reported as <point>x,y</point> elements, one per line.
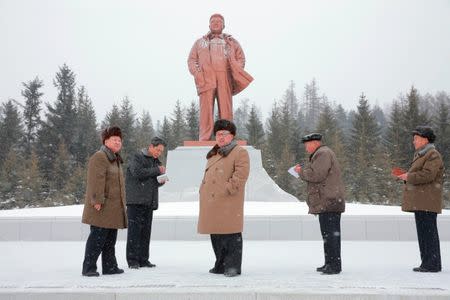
<point>325,198</point>
<point>142,198</point>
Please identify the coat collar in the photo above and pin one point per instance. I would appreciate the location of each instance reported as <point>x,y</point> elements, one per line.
<point>111,155</point>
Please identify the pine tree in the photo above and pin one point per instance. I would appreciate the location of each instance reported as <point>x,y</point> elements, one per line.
<point>312,104</point>
<point>32,182</point>
<point>192,121</point>
<point>10,129</point>
<point>60,124</point>
<point>178,125</point>
<point>62,168</point>
<point>112,117</point>
<point>255,128</point>
<point>9,175</point>
<point>240,118</point>
<point>86,139</point>
<point>394,136</point>
<point>364,141</point>
<point>145,131</point>
<point>274,140</point>
<point>127,125</point>
<point>31,113</point>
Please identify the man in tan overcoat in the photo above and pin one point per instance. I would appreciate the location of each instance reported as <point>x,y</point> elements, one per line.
<point>325,198</point>
<point>422,194</point>
<point>222,194</point>
<point>104,207</point>
<point>217,63</point>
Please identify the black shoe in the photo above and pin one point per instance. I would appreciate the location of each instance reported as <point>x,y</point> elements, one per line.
<point>133,266</point>
<point>215,271</point>
<point>425,270</point>
<point>320,269</point>
<point>112,272</point>
<point>231,273</point>
<point>91,274</point>
<point>147,264</point>
<point>328,270</point>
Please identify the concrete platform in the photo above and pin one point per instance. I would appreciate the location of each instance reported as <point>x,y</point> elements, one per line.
<point>271,270</point>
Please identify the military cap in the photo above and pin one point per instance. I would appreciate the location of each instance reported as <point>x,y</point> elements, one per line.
<point>425,132</point>
<point>312,137</point>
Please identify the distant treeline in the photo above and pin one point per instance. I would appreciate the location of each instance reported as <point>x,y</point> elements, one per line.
<point>45,145</point>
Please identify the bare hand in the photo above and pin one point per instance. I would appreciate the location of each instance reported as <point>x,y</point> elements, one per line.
<point>298,168</point>
<point>403,176</point>
<point>97,206</point>
<point>162,169</point>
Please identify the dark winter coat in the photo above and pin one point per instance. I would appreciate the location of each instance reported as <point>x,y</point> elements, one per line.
<point>105,186</point>
<point>141,184</point>
<point>222,192</point>
<point>423,188</point>
<point>324,184</point>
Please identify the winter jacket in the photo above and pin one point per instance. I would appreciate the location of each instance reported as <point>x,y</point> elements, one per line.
<point>105,186</point>
<point>141,184</point>
<point>324,184</point>
<point>423,188</point>
<point>222,192</point>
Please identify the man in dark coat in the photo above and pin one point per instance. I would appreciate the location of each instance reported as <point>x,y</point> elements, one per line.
<point>104,207</point>
<point>422,194</point>
<point>142,199</point>
<point>325,198</point>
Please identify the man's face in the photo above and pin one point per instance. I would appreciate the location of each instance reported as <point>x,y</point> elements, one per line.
<point>114,143</point>
<point>223,137</point>
<point>155,151</point>
<point>311,146</point>
<point>419,141</point>
<point>216,25</point>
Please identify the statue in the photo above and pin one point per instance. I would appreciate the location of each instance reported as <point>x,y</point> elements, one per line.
<point>217,63</point>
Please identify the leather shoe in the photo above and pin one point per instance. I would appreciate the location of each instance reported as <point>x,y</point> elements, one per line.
<point>215,271</point>
<point>147,264</point>
<point>112,272</point>
<point>424,270</point>
<point>91,274</point>
<point>133,266</point>
<point>320,269</point>
<point>328,270</point>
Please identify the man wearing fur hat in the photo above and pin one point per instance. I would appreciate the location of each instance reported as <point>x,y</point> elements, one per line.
<point>217,63</point>
<point>222,193</point>
<point>422,194</point>
<point>325,198</point>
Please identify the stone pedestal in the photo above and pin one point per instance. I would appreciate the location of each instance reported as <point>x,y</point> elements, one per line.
<point>185,169</point>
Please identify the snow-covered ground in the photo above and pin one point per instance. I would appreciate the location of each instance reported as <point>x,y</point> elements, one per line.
<point>382,268</point>
<point>167,209</point>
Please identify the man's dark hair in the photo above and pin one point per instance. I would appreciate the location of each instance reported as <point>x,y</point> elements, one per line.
<point>157,141</point>
<point>109,132</point>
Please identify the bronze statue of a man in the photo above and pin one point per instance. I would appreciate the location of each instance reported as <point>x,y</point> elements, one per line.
<point>217,63</point>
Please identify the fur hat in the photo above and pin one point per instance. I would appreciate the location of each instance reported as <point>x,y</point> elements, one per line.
<point>425,132</point>
<point>223,124</point>
<point>109,132</point>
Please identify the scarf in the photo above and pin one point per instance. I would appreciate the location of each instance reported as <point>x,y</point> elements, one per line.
<point>224,151</point>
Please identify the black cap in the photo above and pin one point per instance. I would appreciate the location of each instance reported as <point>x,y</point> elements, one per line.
<point>311,137</point>
<point>223,124</point>
<point>425,132</point>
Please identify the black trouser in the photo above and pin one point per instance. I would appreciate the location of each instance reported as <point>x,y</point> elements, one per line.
<point>139,231</point>
<point>330,227</point>
<point>100,240</point>
<point>427,234</point>
<point>228,251</point>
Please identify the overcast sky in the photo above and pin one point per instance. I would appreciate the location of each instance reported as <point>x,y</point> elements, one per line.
<point>139,48</point>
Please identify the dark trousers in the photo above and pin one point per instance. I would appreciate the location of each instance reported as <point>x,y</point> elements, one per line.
<point>228,251</point>
<point>330,227</point>
<point>100,240</point>
<point>139,232</point>
<point>427,234</point>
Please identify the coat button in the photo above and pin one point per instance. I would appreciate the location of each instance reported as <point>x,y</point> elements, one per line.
<point>212,195</point>
<point>213,181</point>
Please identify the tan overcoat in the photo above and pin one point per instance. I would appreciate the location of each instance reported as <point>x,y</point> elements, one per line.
<point>106,186</point>
<point>324,182</point>
<point>423,188</point>
<point>222,193</point>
